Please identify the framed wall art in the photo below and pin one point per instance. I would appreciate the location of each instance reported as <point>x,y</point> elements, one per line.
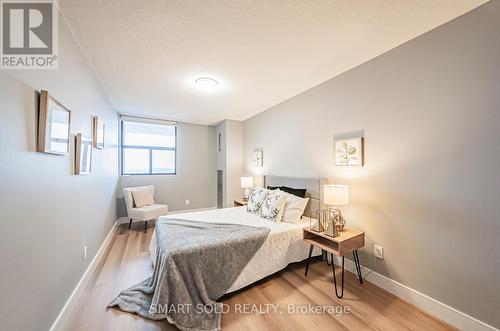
<point>349,152</point>
<point>54,121</point>
<point>83,155</point>
<point>257,157</point>
<point>97,133</point>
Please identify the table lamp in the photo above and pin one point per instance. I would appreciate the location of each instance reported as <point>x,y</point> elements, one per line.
<point>246,183</point>
<point>335,196</point>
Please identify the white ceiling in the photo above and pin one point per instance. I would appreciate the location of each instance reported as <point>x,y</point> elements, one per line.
<point>148,53</point>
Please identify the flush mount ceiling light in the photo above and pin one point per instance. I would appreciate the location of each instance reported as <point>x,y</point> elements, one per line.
<point>206,84</point>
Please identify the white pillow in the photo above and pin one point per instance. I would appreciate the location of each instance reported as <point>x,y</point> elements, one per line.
<point>294,208</point>
<point>273,207</point>
<point>256,199</point>
<point>142,198</point>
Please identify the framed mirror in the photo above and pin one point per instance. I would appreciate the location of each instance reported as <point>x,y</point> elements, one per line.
<point>54,122</point>
<point>83,154</point>
<point>97,133</point>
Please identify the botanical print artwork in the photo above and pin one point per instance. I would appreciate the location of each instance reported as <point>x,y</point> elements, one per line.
<point>257,158</point>
<point>349,152</point>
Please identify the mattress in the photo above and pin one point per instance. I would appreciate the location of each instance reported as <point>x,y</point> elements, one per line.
<point>283,245</point>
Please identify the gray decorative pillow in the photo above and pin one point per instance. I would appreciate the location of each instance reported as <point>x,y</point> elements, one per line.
<point>256,199</point>
<point>273,207</point>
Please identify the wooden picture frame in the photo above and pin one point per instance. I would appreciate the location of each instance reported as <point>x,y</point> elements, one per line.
<point>54,124</point>
<point>98,132</point>
<point>83,155</point>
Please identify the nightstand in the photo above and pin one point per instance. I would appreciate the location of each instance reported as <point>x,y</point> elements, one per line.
<point>241,202</point>
<point>347,242</point>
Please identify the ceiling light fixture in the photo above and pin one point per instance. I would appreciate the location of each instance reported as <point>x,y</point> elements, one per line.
<point>206,84</point>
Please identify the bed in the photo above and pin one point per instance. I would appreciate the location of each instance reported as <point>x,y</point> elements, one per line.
<point>284,244</point>
<point>200,256</point>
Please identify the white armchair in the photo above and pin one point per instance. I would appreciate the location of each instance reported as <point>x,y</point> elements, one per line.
<point>147,213</point>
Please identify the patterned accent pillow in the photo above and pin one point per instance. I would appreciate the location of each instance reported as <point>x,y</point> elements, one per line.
<point>256,199</point>
<point>273,207</point>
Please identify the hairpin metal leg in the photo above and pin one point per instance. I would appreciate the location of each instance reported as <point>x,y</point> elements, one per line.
<point>310,253</point>
<point>358,265</point>
<point>130,224</point>
<point>325,257</point>
<point>331,261</point>
<point>145,226</point>
<point>335,279</point>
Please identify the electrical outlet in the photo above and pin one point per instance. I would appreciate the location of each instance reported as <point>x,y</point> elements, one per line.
<point>84,253</point>
<point>378,251</point>
<point>187,202</point>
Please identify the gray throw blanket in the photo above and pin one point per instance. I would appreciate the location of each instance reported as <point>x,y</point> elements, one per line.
<point>196,264</point>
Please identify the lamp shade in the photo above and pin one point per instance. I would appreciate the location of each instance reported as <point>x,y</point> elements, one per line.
<point>336,195</point>
<point>246,182</point>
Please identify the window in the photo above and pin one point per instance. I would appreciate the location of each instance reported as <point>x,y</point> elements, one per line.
<point>148,148</point>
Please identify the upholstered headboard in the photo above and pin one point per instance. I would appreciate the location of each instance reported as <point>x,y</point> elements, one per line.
<point>314,187</point>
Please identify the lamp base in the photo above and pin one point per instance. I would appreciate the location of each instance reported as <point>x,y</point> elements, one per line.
<point>246,194</point>
<point>338,219</point>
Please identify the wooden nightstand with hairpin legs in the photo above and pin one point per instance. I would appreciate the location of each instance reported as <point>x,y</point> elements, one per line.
<point>349,241</point>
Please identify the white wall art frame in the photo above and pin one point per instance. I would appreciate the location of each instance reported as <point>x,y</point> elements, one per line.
<point>349,151</point>
<point>257,157</point>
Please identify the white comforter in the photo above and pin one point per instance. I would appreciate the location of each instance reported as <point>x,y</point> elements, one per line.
<point>284,244</point>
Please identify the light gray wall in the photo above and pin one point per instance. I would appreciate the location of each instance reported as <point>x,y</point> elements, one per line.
<point>230,159</point>
<point>221,129</point>
<point>429,191</point>
<point>196,172</point>
<point>47,213</point>
<point>234,161</point>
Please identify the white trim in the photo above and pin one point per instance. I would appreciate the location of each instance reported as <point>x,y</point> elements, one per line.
<point>69,306</point>
<point>438,309</point>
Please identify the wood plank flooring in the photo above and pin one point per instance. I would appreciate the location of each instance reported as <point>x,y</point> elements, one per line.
<point>127,262</point>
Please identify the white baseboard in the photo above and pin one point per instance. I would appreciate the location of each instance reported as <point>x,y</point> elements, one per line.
<point>62,318</point>
<point>438,309</point>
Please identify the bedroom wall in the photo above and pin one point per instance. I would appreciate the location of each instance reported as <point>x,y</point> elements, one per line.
<point>196,172</point>
<point>234,161</point>
<point>47,213</point>
<point>230,159</point>
<point>429,190</point>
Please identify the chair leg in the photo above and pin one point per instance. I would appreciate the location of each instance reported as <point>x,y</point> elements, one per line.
<point>130,224</point>
<point>145,226</point>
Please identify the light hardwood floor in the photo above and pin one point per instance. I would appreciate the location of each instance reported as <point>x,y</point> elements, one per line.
<point>127,262</point>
